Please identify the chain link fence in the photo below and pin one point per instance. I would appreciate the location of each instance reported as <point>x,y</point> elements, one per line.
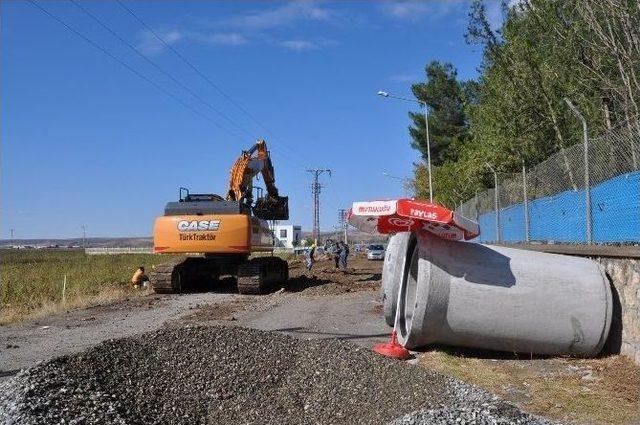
<point>567,199</point>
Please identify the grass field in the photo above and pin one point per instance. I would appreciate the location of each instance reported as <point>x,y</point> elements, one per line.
<point>31,280</point>
<point>602,391</point>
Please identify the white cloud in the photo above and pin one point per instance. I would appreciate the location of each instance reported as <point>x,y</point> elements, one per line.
<point>281,16</point>
<point>150,44</point>
<point>412,10</point>
<point>224,39</point>
<point>267,25</point>
<point>405,10</point>
<point>495,15</point>
<point>299,45</point>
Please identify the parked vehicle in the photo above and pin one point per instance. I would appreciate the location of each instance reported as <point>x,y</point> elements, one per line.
<point>375,252</point>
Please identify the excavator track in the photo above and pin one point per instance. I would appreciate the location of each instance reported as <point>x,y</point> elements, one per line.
<point>184,274</point>
<point>165,278</point>
<point>261,275</point>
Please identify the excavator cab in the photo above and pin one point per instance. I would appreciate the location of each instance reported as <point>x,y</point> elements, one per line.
<point>272,207</point>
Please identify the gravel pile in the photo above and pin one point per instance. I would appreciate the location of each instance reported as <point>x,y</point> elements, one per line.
<point>487,415</point>
<point>470,406</point>
<point>235,375</point>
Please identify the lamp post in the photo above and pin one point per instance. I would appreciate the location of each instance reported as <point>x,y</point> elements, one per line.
<point>405,181</point>
<point>426,126</point>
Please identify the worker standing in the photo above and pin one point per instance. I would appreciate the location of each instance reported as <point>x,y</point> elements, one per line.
<point>332,248</point>
<point>310,256</point>
<point>139,278</point>
<point>344,254</point>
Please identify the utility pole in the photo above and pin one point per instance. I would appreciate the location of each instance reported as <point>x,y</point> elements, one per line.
<point>315,191</point>
<point>342,219</point>
<point>84,236</point>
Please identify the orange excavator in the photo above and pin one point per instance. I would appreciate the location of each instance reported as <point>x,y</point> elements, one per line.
<point>217,235</point>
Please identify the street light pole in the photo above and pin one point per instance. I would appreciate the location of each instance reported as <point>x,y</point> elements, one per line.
<point>496,201</point>
<point>426,125</point>
<point>587,182</point>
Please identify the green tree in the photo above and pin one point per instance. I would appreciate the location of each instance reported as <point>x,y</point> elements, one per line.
<point>448,126</point>
<point>545,50</point>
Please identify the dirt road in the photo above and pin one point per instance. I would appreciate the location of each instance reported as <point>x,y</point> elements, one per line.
<point>325,303</point>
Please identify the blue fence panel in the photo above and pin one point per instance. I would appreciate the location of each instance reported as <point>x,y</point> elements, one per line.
<point>512,223</point>
<point>615,212</point>
<point>615,209</point>
<point>558,218</point>
<point>487,224</point>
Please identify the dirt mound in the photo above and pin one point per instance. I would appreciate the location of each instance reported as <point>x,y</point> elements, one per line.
<point>227,375</point>
<point>325,279</point>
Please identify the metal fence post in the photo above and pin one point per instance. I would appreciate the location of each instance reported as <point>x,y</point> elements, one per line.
<point>526,203</point>
<point>587,182</point>
<point>475,202</point>
<point>496,196</point>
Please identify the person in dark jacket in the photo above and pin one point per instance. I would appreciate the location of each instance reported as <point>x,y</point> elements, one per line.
<point>343,251</point>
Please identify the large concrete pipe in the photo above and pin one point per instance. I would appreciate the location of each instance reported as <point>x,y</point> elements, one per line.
<point>482,296</point>
<point>396,259</point>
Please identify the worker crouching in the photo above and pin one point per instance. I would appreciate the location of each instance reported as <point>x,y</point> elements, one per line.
<point>139,279</point>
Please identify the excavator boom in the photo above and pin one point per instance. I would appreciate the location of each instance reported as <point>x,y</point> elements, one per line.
<point>252,162</point>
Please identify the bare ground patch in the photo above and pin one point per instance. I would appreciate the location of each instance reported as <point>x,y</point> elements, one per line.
<point>325,279</point>
<point>226,311</point>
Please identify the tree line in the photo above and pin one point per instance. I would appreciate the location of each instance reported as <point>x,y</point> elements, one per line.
<point>514,113</point>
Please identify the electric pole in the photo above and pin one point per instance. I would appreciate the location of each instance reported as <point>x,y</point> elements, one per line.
<point>84,236</point>
<point>12,237</point>
<point>342,219</point>
<point>315,191</point>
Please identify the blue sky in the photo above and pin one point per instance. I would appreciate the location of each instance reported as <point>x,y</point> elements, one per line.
<point>85,141</point>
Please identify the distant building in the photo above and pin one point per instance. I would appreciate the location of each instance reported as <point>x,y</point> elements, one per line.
<point>287,235</point>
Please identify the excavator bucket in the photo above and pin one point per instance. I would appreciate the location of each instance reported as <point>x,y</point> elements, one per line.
<point>272,208</point>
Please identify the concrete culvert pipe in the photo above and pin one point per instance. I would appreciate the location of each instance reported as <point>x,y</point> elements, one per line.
<point>395,261</point>
<point>490,297</point>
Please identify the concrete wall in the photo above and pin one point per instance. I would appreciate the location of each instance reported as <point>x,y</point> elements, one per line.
<point>625,327</point>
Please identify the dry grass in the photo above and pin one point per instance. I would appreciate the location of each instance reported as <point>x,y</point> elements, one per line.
<point>593,391</point>
<point>31,280</point>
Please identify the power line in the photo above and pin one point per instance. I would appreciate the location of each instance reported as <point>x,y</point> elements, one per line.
<point>159,68</point>
<point>202,75</point>
<point>191,65</point>
<point>124,64</point>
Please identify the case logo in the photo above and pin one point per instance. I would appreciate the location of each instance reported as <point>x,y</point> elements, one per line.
<point>198,225</point>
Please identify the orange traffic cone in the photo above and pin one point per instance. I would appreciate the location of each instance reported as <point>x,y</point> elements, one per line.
<point>392,348</point>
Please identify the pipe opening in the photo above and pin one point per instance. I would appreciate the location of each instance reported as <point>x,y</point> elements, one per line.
<point>408,291</point>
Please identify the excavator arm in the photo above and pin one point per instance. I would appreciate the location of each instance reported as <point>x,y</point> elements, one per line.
<point>250,163</point>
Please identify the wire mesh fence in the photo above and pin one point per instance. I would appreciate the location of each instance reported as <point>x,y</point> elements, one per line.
<point>569,198</point>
